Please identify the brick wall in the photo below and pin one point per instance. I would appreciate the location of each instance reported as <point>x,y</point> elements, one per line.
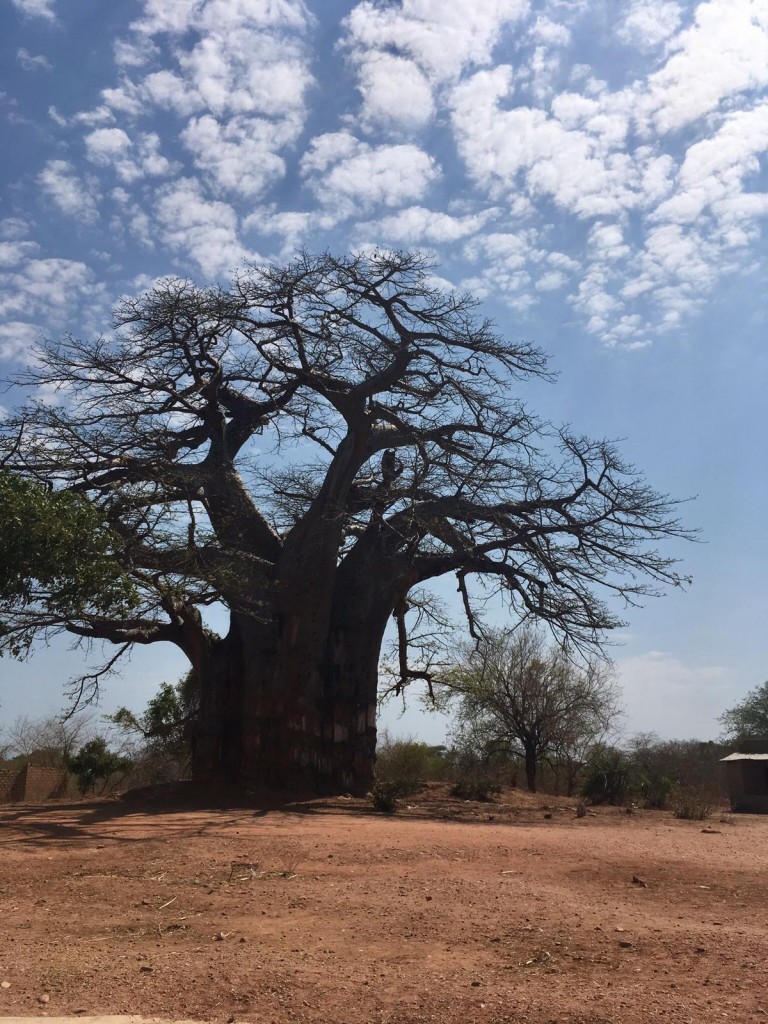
<point>9,777</point>
<point>32,783</point>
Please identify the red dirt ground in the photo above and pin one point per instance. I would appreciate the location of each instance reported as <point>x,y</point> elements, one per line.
<point>449,911</point>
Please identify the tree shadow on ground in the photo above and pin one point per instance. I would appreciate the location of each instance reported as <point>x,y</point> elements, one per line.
<point>192,810</point>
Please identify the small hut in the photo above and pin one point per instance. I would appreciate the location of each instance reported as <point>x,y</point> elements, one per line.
<point>746,772</point>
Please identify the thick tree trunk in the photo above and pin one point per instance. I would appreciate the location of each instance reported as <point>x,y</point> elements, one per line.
<point>288,714</point>
<point>292,705</point>
<point>530,768</point>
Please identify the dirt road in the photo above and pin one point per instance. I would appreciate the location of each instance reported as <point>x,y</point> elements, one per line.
<point>326,911</point>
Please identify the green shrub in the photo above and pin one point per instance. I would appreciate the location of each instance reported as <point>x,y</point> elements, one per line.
<point>656,791</point>
<point>384,797</point>
<point>479,788</point>
<point>607,777</point>
<point>406,764</point>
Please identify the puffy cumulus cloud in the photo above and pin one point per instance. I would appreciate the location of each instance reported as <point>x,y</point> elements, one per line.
<point>416,225</point>
<point>170,91</point>
<point>238,156</point>
<point>74,197</point>
<point>113,147</point>
<point>550,280</point>
<point>402,51</point>
<point>39,295</point>
<point>647,23</point>
<point>179,16</point>
<point>14,229</point>
<point>580,168</point>
<point>441,37</point>
<point>349,175</point>
<point>712,174</point>
<point>291,226</point>
<point>552,33</point>
<point>395,92</point>
<point>511,264</point>
<point>604,157</point>
<point>199,230</point>
<point>14,252</point>
<point>724,53</point>
<point>247,73</point>
<point>36,8</point>
<point>236,71</point>
<point>17,339</point>
<point>233,56</point>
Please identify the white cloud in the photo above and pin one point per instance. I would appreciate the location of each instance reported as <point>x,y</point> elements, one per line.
<point>416,225</point>
<point>74,197</point>
<point>725,52</point>
<point>582,171</point>
<point>441,37</point>
<point>13,229</point>
<point>107,145</point>
<point>290,225</point>
<point>648,23</point>
<point>69,192</point>
<point>15,252</point>
<point>36,8</point>
<point>550,280</point>
<point>169,90</point>
<point>395,92</point>
<point>173,16</point>
<point>112,147</point>
<point>38,295</point>
<point>17,339</point>
<point>33,63</point>
<point>200,230</point>
<point>348,174</point>
<point>239,156</point>
<point>248,73</point>
<point>714,169</point>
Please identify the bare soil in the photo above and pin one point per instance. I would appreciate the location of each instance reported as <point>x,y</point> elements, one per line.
<point>515,911</point>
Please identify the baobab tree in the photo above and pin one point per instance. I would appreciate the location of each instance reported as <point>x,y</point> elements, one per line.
<point>304,450</point>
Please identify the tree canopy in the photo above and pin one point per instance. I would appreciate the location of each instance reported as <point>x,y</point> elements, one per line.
<point>749,718</point>
<point>516,694</point>
<point>306,448</point>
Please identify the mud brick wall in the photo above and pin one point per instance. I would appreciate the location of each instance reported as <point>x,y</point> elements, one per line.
<point>44,783</point>
<point>10,779</point>
<point>32,783</point>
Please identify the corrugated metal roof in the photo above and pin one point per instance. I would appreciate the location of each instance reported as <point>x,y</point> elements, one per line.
<point>745,757</point>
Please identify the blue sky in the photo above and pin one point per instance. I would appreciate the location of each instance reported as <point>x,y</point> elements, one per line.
<point>597,172</point>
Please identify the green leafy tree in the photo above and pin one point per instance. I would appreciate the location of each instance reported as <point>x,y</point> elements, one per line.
<point>56,561</point>
<point>749,718</point>
<point>516,693</point>
<point>304,449</point>
<point>93,762</point>
<point>163,728</point>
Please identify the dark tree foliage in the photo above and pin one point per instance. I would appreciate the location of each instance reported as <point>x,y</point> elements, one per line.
<point>749,718</point>
<point>306,449</point>
<point>56,551</point>
<point>164,727</point>
<point>95,762</point>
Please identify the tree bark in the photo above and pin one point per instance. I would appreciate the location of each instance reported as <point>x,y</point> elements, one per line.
<point>530,768</point>
<point>285,712</point>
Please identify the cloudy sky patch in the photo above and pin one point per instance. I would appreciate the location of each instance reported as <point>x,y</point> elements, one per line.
<point>600,180</point>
